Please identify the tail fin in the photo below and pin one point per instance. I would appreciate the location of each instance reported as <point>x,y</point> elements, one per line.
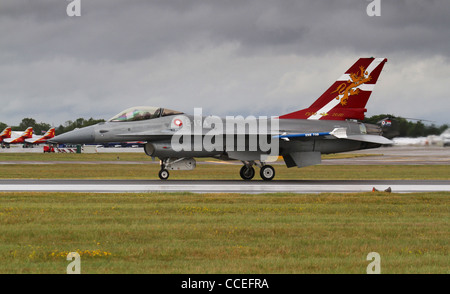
<point>6,133</point>
<point>28,133</point>
<point>348,96</point>
<point>50,133</point>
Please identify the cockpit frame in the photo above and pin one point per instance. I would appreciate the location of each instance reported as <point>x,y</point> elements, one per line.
<point>139,113</point>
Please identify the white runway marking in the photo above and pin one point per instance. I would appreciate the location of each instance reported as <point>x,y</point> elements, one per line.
<point>244,187</point>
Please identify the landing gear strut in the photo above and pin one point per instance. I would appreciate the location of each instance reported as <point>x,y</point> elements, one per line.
<point>172,163</point>
<point>247,172</point>
<point>164,173</point>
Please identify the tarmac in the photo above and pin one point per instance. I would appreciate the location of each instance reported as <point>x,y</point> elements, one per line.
<point>225,186</point>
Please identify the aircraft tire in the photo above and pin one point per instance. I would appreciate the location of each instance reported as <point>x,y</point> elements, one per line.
<point>247,173</point>
<point>163,174</point>
<point>267,172</point>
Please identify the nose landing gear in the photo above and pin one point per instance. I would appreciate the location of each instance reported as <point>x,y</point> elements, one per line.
<point>163,174</point>
<point>172,163</point>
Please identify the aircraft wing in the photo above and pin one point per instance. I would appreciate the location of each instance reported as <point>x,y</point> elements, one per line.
<point>36,140</point>
<point>9,140</point>
<point>31,141</point>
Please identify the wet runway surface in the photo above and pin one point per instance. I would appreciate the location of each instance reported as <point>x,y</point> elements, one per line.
<point>225,186</point>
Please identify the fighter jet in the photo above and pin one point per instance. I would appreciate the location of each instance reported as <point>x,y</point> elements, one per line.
<point>28,133</point>
<point>329,125</point>
<point>41,139</point>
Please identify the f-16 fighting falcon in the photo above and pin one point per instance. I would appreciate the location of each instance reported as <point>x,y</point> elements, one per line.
<point>329,125</point>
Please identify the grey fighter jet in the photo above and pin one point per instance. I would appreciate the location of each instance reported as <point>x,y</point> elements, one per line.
<point>330,125</point>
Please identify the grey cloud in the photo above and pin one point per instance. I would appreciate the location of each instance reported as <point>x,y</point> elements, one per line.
<point>224,55</point>
<point>120,30</point>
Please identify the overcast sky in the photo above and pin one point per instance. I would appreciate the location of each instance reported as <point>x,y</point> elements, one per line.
<point>231,57</point>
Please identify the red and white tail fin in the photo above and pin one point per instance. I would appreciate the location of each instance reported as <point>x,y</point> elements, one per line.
<point>6,133</point>
<point>348,96</point>
<point>28,133</point>
<point>49,134</point>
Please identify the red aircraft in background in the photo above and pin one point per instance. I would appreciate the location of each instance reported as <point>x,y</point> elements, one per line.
<point>21,139</point>
<point>6,134</point>
<point>43,139</point>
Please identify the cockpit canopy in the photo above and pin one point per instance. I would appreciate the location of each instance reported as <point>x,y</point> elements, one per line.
<point>142,113</point>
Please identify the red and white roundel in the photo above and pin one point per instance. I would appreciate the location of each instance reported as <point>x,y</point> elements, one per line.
<point>178,122</point>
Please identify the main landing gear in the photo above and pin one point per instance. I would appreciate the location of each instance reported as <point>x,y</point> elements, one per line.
<point>247,172</point>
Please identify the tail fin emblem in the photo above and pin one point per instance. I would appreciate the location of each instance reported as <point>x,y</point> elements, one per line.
<point>356,79</point>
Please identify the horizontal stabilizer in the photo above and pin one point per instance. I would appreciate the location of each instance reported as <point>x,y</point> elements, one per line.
<point>371,139</point>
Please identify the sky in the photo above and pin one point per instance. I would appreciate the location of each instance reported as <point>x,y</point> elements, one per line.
<point>230,57</point>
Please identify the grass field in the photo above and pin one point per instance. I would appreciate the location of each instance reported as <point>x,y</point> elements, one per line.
<point>222,171</point>
<point>220,233</point>
<point>101,166</point>
<point>224,233</point>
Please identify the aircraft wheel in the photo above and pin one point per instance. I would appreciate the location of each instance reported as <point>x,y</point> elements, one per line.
<point>163,174</point>
<point>247,173</point>
<point>267,172</point>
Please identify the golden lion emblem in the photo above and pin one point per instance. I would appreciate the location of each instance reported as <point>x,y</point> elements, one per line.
<point>356,79</point>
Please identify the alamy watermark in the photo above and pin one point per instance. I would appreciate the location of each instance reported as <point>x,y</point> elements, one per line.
<point>74,8</point>
<point>374,8</point>
<point>232,133</point>
<point>75,266</point>
<point>375,266</point>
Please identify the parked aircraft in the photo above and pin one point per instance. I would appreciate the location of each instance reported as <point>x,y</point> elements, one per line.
<point>5,134</point>
<point>329,125</point>
<point>445,137</point>
<point>432,140</point>
<point>41,139</point>
<point>19,139</point>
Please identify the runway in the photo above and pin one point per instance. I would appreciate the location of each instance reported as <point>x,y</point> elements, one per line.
<point>224,186</point>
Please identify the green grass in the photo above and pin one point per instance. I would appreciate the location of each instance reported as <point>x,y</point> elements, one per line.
<point>224,233</point>
<point>222,171</point>
<point>220,233</point>
<point>102,168</point>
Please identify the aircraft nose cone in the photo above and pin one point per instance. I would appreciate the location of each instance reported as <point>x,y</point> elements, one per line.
<point>79,136</point>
